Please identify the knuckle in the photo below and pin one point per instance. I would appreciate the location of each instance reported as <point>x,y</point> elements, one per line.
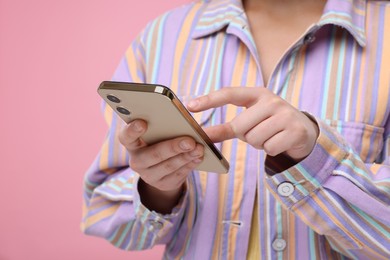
<point>164,185</point>
<point>174,147</point>
<point>270,150</point>
<point>156,155</point>
<point>187,157</point>
<point>257,145</point>
<point>122,137</point>
<point>299,130</point>
<point>288,114</point>
<point>161,185</point>
<point>169,166</point>
<point>151,179</point>
<point>227,92</point>
<point>181,180</point>
<point>197,152</point>
<point>146,178</point>
<point>134,164</point>
<point>251,139</point>
<point>180,173</point>
<point>185,170</point>
<point>237,130</point>
<point>206,99</point>
<point>275,103</point>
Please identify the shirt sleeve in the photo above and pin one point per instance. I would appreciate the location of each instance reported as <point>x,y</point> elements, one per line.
<point>338,195</point>
<point>112,206</point>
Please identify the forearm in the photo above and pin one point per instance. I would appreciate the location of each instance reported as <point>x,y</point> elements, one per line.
<point>335,193</point>
<point>115,212</point>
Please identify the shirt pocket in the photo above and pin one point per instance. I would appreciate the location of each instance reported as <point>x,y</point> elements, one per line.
<point>365,139</point>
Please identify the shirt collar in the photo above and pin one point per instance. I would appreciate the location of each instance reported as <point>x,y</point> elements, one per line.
<point>349,14</point>
<point>217,15</point>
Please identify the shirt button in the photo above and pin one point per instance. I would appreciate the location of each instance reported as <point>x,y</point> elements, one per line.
<point>279,244</point>
<point>155,224</point>
<point>285,189</point>
<point>309,38</point>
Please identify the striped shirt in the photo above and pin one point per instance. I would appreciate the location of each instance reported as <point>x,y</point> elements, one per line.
<point>332,205</point>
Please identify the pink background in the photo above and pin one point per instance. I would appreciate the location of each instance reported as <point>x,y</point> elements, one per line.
<point>53,55</point>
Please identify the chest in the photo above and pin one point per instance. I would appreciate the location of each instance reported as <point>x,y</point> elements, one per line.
<point>325,72</point>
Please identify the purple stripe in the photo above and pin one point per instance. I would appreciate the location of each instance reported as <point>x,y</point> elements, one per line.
<point>345,208</point>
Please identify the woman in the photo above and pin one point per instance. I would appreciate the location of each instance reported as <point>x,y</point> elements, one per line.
<point>296,94</point>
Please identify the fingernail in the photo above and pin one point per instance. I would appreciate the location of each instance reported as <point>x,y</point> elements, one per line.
<point>197,160</point>
<point>195,153</point>
<point>136,126</point>
<point>193,103</point>
<point>185,145</point>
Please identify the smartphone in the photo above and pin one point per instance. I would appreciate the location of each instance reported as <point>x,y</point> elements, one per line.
<point>165,114</point>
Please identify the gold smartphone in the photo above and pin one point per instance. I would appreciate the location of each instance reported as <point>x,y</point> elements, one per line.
<point>166,116</point>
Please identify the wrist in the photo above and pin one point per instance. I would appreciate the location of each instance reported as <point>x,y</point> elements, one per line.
<point>158,200</point>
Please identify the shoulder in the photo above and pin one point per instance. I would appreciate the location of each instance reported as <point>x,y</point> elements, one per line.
<point>178,20</point>
<point>383,5</point>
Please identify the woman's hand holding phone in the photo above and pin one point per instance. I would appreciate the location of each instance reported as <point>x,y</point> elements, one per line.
<point>163,167</point>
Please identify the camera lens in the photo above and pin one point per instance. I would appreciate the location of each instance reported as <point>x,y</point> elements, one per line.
<point>113,98</point>
<point>123,110</point>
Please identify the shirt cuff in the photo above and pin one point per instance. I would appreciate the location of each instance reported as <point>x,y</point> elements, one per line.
<point>305,177</point>
<point>155,222</point>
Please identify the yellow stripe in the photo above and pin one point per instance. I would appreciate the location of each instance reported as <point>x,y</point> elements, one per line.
<point>190,217</point>
<point>231,112</point>
<point>299,78</point>
<point>101,215</point>
<point>371,74</point>
<point>222,184</point>
<point>291,234</point>
<point>132,62</point>
<point>194,60</point>
<point>366,143</point>
<point>84,214</point>
<point>104,151</point>
<point>181,43</point>
<point>330,106</point>
<point>375,168</point>
<point>104,156</point>
<point>98,202</point>
<point>334,219</point>
<point>254,238</point>
<point>384,90</point>
<point>241,154</point>
<point>151,58</point>
<point>117,150</point>
<point>360,96</point>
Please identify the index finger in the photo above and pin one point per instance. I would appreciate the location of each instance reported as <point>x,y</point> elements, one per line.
<point>220,133</point>
<point>239,96</point>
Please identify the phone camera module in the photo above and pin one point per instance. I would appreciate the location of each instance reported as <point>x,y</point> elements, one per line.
<point>113,98</point>
<point>123,110</point>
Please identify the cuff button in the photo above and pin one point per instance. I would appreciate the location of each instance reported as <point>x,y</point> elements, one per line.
<point>155,224</point>
<point>285,189</point>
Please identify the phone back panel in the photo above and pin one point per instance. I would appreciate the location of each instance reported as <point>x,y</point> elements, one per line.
<point>167,118</point>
